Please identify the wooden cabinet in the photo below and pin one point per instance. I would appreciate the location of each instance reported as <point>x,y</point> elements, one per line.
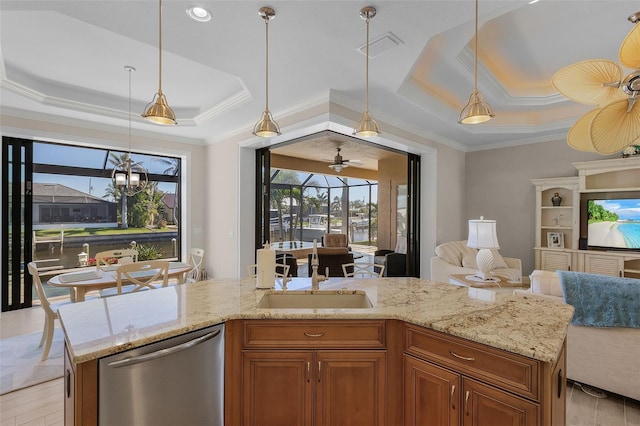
<point>450,381</point>
<point>318,372</point>
<point>80,392</point>
<point>612,175</point>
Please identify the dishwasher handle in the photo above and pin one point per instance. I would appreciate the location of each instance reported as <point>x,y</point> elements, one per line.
<point>163,352</point>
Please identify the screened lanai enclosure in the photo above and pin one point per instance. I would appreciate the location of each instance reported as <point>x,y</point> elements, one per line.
<point>305,206</point>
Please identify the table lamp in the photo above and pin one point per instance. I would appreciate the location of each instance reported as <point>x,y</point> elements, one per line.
<point>483,236</point>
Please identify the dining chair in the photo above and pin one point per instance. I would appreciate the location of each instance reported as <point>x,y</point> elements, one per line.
<point>362,269</point>
<point>138,276</point>
<point>50,310</point>
<point>122,256</point>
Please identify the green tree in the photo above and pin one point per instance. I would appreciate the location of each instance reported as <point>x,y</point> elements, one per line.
<point>597,213</point>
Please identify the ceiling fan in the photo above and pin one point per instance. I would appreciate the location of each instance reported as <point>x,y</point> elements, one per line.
<point>340,163</point>
<point>615,122</point>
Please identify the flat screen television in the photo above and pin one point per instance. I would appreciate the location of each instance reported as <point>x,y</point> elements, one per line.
<point>611,221</point>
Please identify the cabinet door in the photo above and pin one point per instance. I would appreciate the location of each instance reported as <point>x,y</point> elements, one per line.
<point>350,388</point>
<point>432,394</point>
<point>604,265</point>
<point>553,260</point>
<point>277,388</point>
<point>484,405</point>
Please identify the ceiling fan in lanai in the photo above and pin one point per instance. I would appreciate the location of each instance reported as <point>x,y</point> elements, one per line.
<point>615,122</point>
<point>340,163</point>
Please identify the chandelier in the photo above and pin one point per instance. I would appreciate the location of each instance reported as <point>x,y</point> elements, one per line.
<point>129,177</point>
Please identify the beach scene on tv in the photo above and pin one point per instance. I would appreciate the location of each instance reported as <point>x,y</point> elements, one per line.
<point>614,223</point>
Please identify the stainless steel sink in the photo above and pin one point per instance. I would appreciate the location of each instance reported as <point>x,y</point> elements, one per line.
<point>316,300</point>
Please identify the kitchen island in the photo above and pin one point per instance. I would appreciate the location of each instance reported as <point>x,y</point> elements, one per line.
<point>517,343</point>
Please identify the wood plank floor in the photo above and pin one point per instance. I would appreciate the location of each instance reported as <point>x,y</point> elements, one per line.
<point>43,404</point>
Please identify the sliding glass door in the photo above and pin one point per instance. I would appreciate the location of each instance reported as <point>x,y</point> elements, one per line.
<point>17,171</point>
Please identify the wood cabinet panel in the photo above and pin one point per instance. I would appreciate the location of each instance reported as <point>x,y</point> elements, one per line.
<point>314,334</point>
<point>432,394</point>
<point>350,388</point>
<point>486,406</point>
<point>277,388</point>
<point>510,371</point>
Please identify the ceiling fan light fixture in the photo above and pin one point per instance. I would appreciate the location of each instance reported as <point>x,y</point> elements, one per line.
<point>266,127</point>
<point>158,110</point>
<point>476,110</point>
<point>367,127</point>
<point>337,167</point>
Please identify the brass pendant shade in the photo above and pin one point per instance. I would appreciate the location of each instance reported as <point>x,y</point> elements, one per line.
<point>367,127</point>
<point>266,127</point>
<point>158,110</point>
<point>476,110</point>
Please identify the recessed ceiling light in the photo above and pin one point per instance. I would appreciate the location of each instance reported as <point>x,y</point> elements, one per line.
<point>533,1</point>
<point>199,14</point>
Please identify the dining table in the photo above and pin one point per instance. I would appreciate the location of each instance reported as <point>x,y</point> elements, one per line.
<point>84,280</point>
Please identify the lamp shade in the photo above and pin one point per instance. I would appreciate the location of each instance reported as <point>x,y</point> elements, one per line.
<point>482,234</point>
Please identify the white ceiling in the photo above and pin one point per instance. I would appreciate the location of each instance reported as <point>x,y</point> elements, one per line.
<point>65,60</point>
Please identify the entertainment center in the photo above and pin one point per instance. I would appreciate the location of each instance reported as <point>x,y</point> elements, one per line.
<point>562,232</point>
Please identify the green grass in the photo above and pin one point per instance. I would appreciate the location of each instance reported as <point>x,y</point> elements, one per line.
<point>78,232</point>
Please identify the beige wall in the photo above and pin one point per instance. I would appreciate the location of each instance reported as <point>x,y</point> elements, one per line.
<point>498,186</point>
<point>392,172</point>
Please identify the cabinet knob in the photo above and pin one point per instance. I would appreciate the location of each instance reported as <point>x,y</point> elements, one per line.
<point>453,400</point>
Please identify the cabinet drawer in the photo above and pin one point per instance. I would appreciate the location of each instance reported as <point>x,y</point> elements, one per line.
<point>314,334</point>
<point>506,370</point>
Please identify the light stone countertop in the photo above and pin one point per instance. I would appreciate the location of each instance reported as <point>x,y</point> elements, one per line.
<point>102,327</point>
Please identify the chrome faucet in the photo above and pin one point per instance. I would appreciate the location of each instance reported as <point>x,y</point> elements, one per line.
<point>315,278</point>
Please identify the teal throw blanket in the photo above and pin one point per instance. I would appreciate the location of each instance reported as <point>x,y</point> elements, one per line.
<point>601,300</point>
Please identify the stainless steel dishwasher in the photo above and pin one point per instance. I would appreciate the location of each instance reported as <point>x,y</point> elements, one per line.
<point>178,381</point>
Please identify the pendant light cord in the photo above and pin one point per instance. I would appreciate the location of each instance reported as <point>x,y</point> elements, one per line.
<point>475,62</point>
<point>366,95</point>
<point>160,48</point>
<point>266,78</point>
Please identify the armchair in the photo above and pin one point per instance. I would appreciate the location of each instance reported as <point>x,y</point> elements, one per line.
<point>335,240</point>
<point>332,258</point>
<point>394,261</point>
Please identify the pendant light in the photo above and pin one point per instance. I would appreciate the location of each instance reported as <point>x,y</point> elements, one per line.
<point>476,110</point>
<point>367,126</point>
<point>158,110</point>
<point>266,127</point>
<point>129,177</point>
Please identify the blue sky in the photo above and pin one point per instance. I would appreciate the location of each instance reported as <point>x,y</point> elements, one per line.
<point>626,209</point>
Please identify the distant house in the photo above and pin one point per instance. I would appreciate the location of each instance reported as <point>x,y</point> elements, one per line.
<point>57,204</point>
<point>170,206</point>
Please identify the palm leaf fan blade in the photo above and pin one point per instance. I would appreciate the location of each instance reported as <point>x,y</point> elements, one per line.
<point>629,53</point>
<point>579,136</point>
<point>584,82</point>
<point>613,128</point>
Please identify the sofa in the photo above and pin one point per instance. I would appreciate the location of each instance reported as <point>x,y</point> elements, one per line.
<point>455,257</point>
<point>603,357</point>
